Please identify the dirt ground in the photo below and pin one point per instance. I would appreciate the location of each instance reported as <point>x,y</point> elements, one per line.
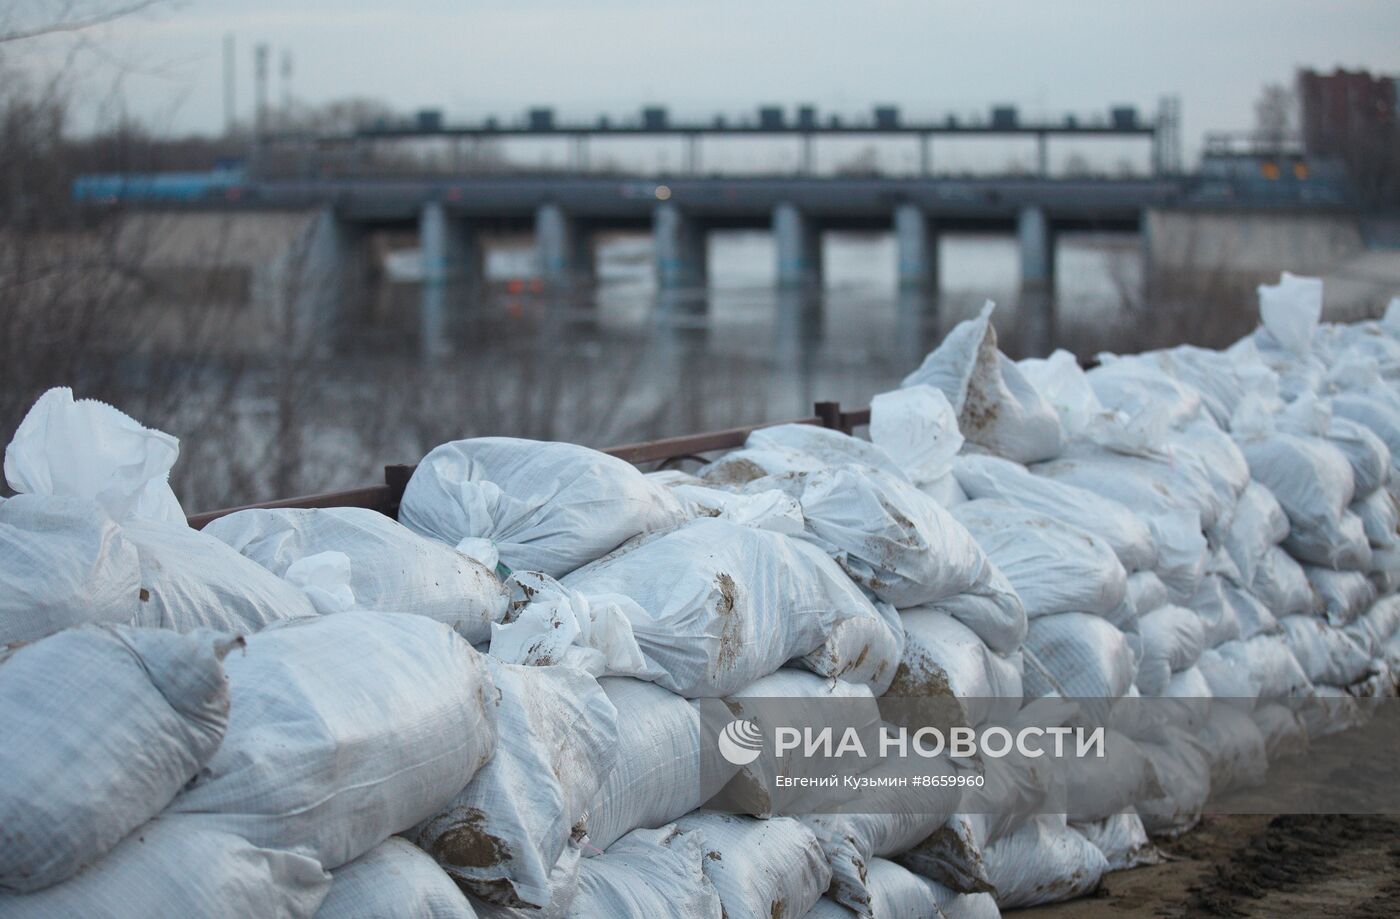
<point>1339,867</point>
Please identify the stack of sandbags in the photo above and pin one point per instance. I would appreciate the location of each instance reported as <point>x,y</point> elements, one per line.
<point>96,535</point>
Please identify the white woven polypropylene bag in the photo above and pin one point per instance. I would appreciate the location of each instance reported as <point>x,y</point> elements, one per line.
<point>394,880</point>
<point>102,727</point>
<point>548,507</point>
<point>344,730</point>
<point>392,569</point>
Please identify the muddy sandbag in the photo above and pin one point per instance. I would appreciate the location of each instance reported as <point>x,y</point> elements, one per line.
<point>102,727</point>
<point>887,536</point>
<point>502,834</point>
<point>180,866</point>
<point>1002,480</point>
<point>394,880</point>
<point>548,507</point>
<point>343,731</point>
<point>1172,640</point>
<point>649,873</point>
<point>952,855</point>
<point>392,568</point>
<point>664,767</point>
<point>714,606</point>
<point>1054,567</point>
<point>963,905</point>
<point>1045,861</point>
<point>760,867</point>
<point>64,562</point>
<point>997,407</point>
<point>1078,656</point>
<point>945,659</point>
<point>892,892</point>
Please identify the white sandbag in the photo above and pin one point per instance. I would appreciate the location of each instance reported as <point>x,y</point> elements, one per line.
<point>714,606</point>
<point>1183,769</point>
<point>1146,592</point>
<point>1282,585</point>
<point>1380,518</point>
<point>1251,615</point>
<point>1160,497</point>
<point>1372,630</point>
<point>1099,787</point>
<point>918,428</point>
<point>945,659</point>
<point>563,888</point>
<point>179,866</point>
<point>995,613</point>
<point>664,768</point>
<point>1127,535</point>
<point>344,730</point>
<point>1290,311</point>
<point>1083,656</point>
<point>1054,567</point>
<point>64,562</point>
<point>1122,840</point>
<point>1312,481</point>
<point>190,580</point>
<point>547,507</point>
<point>997,408</point>
<point>833,449</point>
<point>1366,453</point>
<point>952,855</point>
<point>392,569</point>
<point>1172,639</point>
<point>760,867</point>
<point>1270,665</point>
<point>886,534</point>
<point>1135,387</point>
<point>1045,861</point>
<point>102,727</point>
<point>88,449</point>
<point>1258,524</point>
<point>893,892</point>
<point>1226,680</point>
<point>1327,654</point>
<point>394,880</point>
<point>1283,731</point>
<point>1236,749</point>
<point>1375,411</point>
<point>1213,605</point>
<point>766,510</point>
<point>502,834</point>
<point>964,905</point>
<point>649,873</point>
<point>854,842</point>
<point>1342,595</point>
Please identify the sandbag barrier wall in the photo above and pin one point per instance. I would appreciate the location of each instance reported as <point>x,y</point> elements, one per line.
<point>385,498</point>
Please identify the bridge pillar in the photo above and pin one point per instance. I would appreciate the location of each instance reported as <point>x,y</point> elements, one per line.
<point>799,246</point>
<point>1036,314</point>
<point>451,269</point>
<point>565,250</point>
<point>319,281</point>
<point>679,241</point>
<point>916,242</point>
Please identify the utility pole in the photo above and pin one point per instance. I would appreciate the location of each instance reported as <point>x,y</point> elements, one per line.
<point>230,110</point>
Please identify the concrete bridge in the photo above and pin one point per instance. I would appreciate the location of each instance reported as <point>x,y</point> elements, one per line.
<point>565,213</point>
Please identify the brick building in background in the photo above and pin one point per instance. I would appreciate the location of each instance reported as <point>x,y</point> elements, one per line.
<point>1355,116</point>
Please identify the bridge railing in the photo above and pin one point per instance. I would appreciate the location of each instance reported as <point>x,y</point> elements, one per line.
<point>384,497</point>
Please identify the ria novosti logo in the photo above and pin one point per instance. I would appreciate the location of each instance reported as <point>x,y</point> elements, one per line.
<point>740,742</point>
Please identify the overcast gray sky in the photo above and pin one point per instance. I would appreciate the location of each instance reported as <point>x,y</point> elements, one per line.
<point>586,57</point>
